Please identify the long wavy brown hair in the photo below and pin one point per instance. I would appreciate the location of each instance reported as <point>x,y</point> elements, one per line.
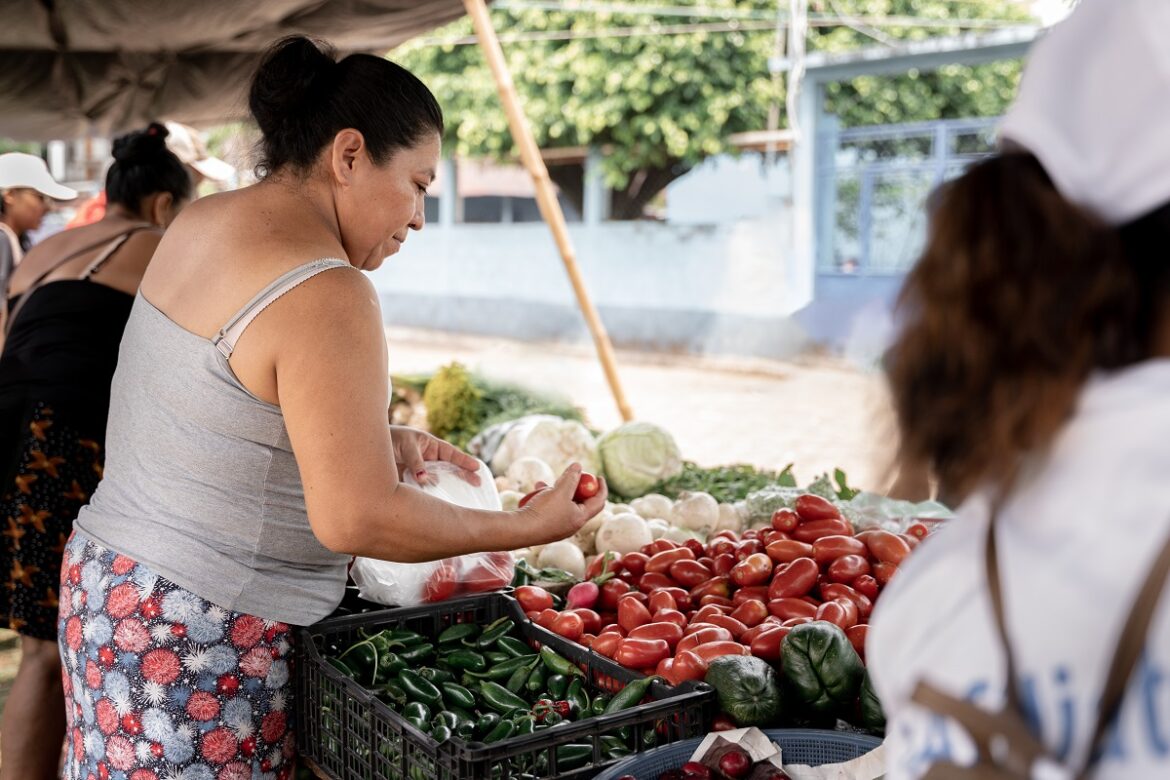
<point>1019,295</point>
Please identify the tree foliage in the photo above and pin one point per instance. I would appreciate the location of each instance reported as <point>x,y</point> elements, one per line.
<point>660,103</point>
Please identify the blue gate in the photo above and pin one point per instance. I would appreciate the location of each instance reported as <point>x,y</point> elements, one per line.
<point>872,183</point>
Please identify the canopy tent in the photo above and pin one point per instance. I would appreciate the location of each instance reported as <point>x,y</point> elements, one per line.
<point>72,68</point>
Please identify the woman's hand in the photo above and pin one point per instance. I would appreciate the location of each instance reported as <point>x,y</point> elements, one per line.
<point>552,515</point>
<point>412,448</point>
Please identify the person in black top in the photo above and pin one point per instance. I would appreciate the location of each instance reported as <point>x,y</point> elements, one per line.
<point>67,307</point>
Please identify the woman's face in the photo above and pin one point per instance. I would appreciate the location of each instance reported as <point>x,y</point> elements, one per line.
<point>385,202</point>
<point>24,208</point>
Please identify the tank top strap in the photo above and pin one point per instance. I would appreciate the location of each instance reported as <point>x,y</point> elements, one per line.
<point>225,341</point>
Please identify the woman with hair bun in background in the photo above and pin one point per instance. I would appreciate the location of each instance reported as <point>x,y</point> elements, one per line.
<point>68,304</point>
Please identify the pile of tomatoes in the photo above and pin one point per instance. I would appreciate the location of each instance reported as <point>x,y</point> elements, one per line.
<point>669,609</point>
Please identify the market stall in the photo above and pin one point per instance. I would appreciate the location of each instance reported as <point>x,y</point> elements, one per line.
<point>707,618</point>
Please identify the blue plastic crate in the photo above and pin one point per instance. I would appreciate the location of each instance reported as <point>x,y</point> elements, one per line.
<point>810,747</point>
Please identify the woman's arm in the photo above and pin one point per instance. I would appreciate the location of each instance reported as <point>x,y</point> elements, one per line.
<point>333,386</point>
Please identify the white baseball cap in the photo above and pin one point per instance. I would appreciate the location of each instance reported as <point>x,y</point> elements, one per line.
<point>188,146</point>
<point>19,170</point>
<point>1092,104</point>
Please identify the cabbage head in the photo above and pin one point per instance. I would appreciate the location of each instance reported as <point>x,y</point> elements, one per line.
<point>636,456</point>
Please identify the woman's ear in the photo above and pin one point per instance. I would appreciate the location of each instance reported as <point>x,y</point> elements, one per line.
<point>347,146</point>
<point>161,210</point>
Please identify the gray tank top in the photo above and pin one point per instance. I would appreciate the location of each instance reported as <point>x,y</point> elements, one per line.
<point>200,480</point>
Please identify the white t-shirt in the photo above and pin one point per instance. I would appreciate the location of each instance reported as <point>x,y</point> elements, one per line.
<point>1076,541</point>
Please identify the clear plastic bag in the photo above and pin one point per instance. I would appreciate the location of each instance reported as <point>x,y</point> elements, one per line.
<point>412,584</point>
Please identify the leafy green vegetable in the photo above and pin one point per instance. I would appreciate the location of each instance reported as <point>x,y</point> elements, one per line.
<point>726,484</point>
<point>460,404</point>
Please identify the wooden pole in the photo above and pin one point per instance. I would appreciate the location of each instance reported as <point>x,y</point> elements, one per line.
<point>546,199</point>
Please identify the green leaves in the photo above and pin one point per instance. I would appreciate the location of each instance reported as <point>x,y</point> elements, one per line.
<point>666,101</point>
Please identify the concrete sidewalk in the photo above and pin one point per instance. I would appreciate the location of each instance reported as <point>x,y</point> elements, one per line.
<point>817,412</point>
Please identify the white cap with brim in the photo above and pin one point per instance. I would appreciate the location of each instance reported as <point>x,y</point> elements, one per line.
<point>19,170</point>
<point>188,146</point>
<point>1092,107</point>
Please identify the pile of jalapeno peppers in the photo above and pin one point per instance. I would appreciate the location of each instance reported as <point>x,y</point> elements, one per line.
<point>485,684</point>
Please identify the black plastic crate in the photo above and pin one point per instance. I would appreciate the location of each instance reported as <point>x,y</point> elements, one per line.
<point>352,735</point>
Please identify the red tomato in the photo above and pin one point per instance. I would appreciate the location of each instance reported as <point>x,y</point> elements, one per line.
<point>815,529</point>
<point>723,723</point>
<point>672,633</point>
<point>695,546</point>
<point>833,591</point>
<point>631,614</point>
<point>753,593</point>
<point>833,612</point>
<point>736,627</point>
<point>725,604</point>
<point>918,530</point>
<point>635,563</point>
<point>612,628</point>
<point>857,635</point>
<point>689,666</point>
<point>788,550</point>
<point>913,541</point>
<point>790,608</point>
<point>755,631</point>
<point>591,620</point>
<point>887,547</point>
<point>751,533</point>
<point>867,586</point>
<point>829,548</point>
<point>670,616</point>
<point>610,592</point>
<point>636,595</point>
<point>852,613</point>
<point>533,598</point>
<point>652,581</point>
<point>701,634</point>
<point>660,599</point>
<point>661,562</point>
<point>848,568</point>
<point>795,579</point>
<point>766,645</point>
<point>682,598</point>
<point>750,613</point>
<point>811,507</point>
<point>709,651</point>
<point>587,487</point>
<point>707,610</point>
<point>785,520</point>
<point>726,533</point>
<point>665,670</point>
<point>884,572</point>
<point>748,547</point>
<point>569,625</point>
<point>724,563</point>
<point>657,546</point>
<point>606,644</point>
<point>721,547</point>
<point>690,573</point>
<point>716,586</point>
<point>443,581</point>
<point>492,571</point>
<point>769,535</point>
<point>755,569</point>
<point>587,639</point>
<point>641,653</point>
<point>595,566</point>
<point>796,621</point>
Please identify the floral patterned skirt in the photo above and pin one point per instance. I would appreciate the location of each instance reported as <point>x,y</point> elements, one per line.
<point>163,685</point>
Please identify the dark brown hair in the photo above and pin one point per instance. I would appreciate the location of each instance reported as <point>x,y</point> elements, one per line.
<point>1017,298</point>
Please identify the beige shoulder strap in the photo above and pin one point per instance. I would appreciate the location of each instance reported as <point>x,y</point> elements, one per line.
<point>225,341</point>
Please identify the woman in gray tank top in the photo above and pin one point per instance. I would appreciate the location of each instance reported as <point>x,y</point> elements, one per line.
<point>248,452</point>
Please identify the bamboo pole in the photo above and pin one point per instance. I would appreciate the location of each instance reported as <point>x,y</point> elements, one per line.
<point>546,200</point>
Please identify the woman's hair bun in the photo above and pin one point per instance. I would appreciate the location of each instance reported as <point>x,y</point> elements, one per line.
<point>141,144</point>
<point>295,74</point>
